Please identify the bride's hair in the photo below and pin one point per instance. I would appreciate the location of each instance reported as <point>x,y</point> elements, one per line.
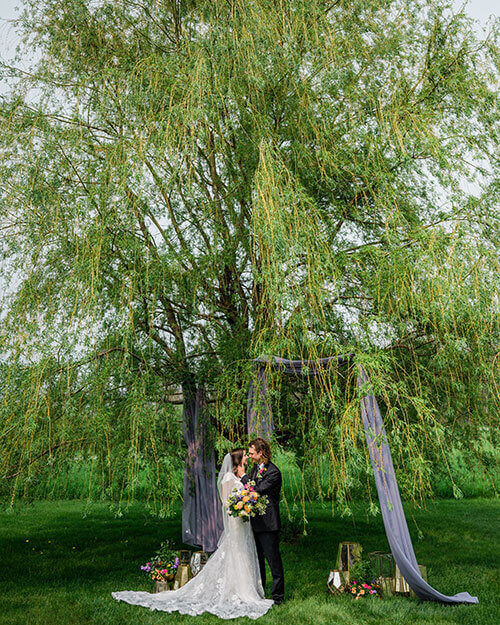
<point>236,457</point>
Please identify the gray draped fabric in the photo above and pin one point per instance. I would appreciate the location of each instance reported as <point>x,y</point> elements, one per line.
<point>393,514</point>
<point>201,512</point>
<point>259,414</point>
<point>385,479</point>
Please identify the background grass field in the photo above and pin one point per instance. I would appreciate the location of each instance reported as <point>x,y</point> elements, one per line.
<point>61,561</point>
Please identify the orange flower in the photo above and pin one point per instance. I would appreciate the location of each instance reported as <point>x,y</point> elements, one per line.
<point>245,499</point>
<point>247,508</point>
<point>239,505</point>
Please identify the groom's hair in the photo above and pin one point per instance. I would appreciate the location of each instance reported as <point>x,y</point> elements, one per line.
<point>262,446</point>
<point>236,456</point>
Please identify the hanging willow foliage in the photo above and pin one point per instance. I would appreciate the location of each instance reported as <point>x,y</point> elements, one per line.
<point>188,185</point>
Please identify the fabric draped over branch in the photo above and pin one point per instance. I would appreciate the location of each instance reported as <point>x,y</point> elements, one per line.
<point>259,420</point>
<point>201,511</point>
<point>259,414</point>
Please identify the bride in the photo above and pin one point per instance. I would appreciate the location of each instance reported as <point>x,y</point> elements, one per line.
<point>229,585</point>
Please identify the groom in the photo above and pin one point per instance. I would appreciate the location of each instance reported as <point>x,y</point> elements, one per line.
<point>266,527</point>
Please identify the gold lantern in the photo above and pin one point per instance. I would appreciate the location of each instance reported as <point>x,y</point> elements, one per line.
<point>198,561</point>
<point>162,586</point>
<point>386,585</point>
<point>336,581</point>
<point>383,567</point>
<point>382,563</point>
<point>347,555</point>
<point>183,574</point>
<point>401,586</point>
<point>423,573</point>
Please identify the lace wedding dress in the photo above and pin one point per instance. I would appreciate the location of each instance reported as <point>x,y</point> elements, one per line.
<point>229,585</point>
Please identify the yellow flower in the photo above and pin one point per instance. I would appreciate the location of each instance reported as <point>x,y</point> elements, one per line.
<point>239,505</point>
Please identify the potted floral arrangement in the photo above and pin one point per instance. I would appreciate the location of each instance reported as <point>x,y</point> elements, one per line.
<point>362,581</point>
<point>162,567</point>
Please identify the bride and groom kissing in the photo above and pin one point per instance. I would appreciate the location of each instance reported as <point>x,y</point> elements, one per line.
<point>231,584</point>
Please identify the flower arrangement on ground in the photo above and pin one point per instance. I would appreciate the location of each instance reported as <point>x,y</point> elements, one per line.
<point>362,581</point>
<point>163,566</point>
<point>363,589</point>
<point>247,502</point>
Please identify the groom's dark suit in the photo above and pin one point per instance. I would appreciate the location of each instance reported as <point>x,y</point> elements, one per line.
<point>266,527</point>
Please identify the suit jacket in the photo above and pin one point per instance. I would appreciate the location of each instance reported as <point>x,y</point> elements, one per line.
<point>269,484</point>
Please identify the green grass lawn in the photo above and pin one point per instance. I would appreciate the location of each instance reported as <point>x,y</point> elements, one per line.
<point>59,566</point>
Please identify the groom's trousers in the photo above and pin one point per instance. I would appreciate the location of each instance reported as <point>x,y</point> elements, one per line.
<point>267,544</point>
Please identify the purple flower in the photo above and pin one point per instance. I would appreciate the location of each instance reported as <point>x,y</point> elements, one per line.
<point>176,563</point>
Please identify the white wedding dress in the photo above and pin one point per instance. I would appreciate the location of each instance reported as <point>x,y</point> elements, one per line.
<point>229,585</point>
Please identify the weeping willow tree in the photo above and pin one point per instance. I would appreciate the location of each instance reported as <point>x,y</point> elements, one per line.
<point>188,185</point>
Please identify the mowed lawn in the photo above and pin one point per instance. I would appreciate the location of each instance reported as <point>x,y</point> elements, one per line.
<point>60,565</point>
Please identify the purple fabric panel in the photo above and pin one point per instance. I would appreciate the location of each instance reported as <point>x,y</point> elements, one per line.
<point>259,414</point>
<point>201,512</point>
<point>390,502</point>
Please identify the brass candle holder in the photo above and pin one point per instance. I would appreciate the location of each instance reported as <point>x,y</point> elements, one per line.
<point>198,561</point>
<point>423,573</point>
<point>400,584</point>
<point>162,586</point>
<point>336,582</point>
<point>183,574</point>
<point>382,563</point>
<point>347,555</point>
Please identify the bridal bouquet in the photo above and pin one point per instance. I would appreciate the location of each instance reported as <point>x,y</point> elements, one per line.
<point>247,502</point>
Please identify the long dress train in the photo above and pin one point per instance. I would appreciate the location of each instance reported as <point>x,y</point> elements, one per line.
<point>229,585</point>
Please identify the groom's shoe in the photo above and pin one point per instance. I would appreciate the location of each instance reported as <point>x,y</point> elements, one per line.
<point>278,601</point>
